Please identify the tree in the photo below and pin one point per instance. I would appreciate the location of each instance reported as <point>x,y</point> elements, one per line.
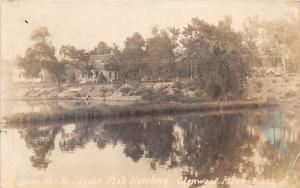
<point>134,47</point>
<point>275,42</point>
<point>116,50</point>
<point>251,34</point>
<point>41,56</point>
<point>74,59</point>
<point>160,54</point>
<point>163,43</point>
<point>217,52</point>
<point>70,53</point>
<point>281,38</point>
<point>101,49</point>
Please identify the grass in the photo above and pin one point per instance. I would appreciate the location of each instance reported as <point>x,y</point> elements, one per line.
<point>88,113</point>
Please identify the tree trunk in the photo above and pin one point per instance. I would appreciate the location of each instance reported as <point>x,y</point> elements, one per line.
<point>31,83</point>
<point>59,84</point>
<point>225,94</point>
<point>283,65</point>
<point>93,72</point>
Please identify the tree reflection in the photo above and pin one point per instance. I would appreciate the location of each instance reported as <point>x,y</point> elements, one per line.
<point>152,138</point>
<point>217,147</point>
<point>280,148</point>
<point>78,138</point>
<point>41,141</point>
<point>207,148</point>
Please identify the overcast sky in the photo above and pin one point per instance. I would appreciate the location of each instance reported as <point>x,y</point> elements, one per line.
<point>83,24</point>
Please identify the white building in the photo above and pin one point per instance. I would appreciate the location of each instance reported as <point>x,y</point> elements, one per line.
<point>102,68</point>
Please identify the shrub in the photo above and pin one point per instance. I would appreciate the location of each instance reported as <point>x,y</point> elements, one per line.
<point>125,90</point>
<point>259,84</point>
<point>290,94</point>
<point>148,95</point>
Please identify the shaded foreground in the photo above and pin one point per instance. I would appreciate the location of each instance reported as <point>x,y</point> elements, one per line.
<point>130,110</point>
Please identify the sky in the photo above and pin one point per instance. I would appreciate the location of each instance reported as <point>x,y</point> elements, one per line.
<point>84,23</point>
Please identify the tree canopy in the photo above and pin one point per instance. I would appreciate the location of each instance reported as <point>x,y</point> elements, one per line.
<point>217,54</point>
<point>134,47</point>
<point>162,43</point>
<point>277,42</point>
<point>41,55</point>
<point>101,49</point>
<point>70,53</point>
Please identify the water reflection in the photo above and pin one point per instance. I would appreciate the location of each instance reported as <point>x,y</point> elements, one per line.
<point>217,147</point>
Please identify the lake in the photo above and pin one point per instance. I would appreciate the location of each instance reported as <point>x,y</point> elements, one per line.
<point>255,148</point>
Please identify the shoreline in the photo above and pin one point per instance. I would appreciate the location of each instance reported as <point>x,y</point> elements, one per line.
<point>136,109</point>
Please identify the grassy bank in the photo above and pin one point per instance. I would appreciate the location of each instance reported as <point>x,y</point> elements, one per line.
<point>130,110</point>
<point>275,88</point>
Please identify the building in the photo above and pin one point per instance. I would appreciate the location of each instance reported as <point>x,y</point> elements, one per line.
<point>101,68</point>
<point>11,73</point>
<point>18,76</point>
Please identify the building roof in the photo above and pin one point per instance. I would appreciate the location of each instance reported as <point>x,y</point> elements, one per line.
<point>107,58</point>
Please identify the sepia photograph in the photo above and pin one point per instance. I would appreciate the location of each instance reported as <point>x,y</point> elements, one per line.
<point>150,94</point>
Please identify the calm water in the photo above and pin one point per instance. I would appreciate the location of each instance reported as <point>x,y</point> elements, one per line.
<point>254,148</point>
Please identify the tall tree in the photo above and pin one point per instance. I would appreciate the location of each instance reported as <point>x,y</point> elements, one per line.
<point>134,47</point>
<point>116,50</point>
<point>162,43</point>
<point>70,53</point>
<point>281,38</point>
<point>75,59</point>
<point>41,56</point>
<point>101,49</point>
<point>251,34</point>
<point>276,41</point>
<point>218,54</point>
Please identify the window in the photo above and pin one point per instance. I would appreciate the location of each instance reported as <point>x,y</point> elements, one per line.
<point>109,74</point>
